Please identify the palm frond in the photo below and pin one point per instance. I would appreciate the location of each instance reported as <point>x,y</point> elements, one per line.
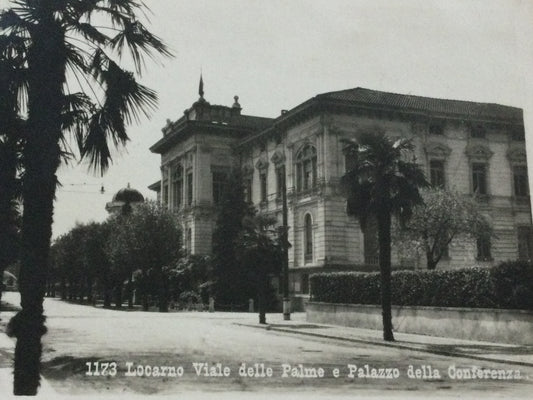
<point>381,180</point>
<point>125,96</point>
<point>75,116</point>
<point>124,6</point>
<point>76,58</point>
<point>95,145</point>
<point>139,42</point>
<point>89,32</point>
<point>11,21</point>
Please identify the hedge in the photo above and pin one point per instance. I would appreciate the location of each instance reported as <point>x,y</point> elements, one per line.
<point>506,286</point>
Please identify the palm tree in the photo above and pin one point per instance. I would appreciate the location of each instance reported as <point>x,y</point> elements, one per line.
<point>382,182</point>
<point>75,85</point>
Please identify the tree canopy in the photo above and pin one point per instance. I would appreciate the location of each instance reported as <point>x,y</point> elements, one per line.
<point>442,217</point>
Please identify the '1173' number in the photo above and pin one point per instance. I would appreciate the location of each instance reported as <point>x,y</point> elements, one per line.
<point>97,368</point>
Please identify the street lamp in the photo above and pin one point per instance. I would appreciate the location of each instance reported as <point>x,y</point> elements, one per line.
<point>285,243</point>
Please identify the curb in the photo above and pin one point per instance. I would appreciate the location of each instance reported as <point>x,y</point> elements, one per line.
<point>391,344</point>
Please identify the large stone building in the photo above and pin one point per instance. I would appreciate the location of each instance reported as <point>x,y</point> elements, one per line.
<point>466,146</point>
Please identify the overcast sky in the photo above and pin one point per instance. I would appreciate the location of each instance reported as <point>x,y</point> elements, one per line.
<point>277,54</point>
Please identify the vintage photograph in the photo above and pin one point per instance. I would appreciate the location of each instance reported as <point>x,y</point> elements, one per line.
<point>266,199</point>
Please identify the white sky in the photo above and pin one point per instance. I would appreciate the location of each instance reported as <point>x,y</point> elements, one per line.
<point>276,54</point>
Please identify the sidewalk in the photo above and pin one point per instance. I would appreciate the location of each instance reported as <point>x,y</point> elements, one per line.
<point>484,351</point>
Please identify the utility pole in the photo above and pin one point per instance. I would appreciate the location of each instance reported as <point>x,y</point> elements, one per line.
<point>285,239</point>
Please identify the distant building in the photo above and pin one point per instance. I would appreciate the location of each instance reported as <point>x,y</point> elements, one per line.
<point>126,198</point>
<point>470,147</point>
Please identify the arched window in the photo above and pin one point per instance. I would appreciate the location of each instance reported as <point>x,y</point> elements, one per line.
<point>308,238</point>
<point>306,168</point>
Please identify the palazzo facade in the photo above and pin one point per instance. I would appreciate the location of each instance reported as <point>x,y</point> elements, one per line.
<point>472,148</point>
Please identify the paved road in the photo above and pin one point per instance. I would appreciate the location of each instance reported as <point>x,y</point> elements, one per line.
<point>192,340</point>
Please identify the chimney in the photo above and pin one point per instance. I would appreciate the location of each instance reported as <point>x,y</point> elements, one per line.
<point>236,107</point>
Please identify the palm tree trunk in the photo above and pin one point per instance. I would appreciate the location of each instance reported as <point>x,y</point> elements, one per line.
<point>46,64</point>
<point>28,325</point>
<point>384,237</point>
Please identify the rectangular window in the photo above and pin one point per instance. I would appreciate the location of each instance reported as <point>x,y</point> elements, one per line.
<point>177,188</point>
<point>517,134</point>
<point>189,188</point>
<point>436,170</point>
<point>280,181</point>
<point>479,178</point>
<point>525,243</point>
<point>436,128</point>
<point>483,249</point>
<point>308,239</point>
<point>299,175</point>
<point>477,131</point>
<point>177,194</point>
<point>165,194</point>
<point>220,183</point>
<point>263,186</point>
<point>306,169</point>
<point>349,162</point>
<point>247,190</point>
<point>309,173</point>
<point>521,187</point>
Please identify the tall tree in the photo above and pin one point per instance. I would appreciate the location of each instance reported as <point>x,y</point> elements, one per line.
<point>61,37</point>
<point>260,254</point>
<point>231,285</point>
<point>383,181</point>
<point>147,240</point>
<point>443,216</point>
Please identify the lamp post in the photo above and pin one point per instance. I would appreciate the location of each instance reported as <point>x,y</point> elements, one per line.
<point>285,239</point>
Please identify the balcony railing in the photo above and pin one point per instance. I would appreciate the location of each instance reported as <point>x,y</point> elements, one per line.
<point>371,259</point>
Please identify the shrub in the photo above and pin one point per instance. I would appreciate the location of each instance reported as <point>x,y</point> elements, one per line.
<point>509,285</point>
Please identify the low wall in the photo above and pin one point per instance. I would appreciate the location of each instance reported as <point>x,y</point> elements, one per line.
<point>500,326</point>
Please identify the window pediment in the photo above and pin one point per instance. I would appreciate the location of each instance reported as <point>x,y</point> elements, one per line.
<point>261,164</point>
<point>438,150</point>
<point>247,170</point>
<point>479,152</point>
<point>278,157</point>
<point>517,155</point>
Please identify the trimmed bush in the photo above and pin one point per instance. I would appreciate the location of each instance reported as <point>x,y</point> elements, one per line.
<point>507,286</point>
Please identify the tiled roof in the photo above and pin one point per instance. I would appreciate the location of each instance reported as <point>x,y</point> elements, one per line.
<point>251,122</point>
<point>424,104</point>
